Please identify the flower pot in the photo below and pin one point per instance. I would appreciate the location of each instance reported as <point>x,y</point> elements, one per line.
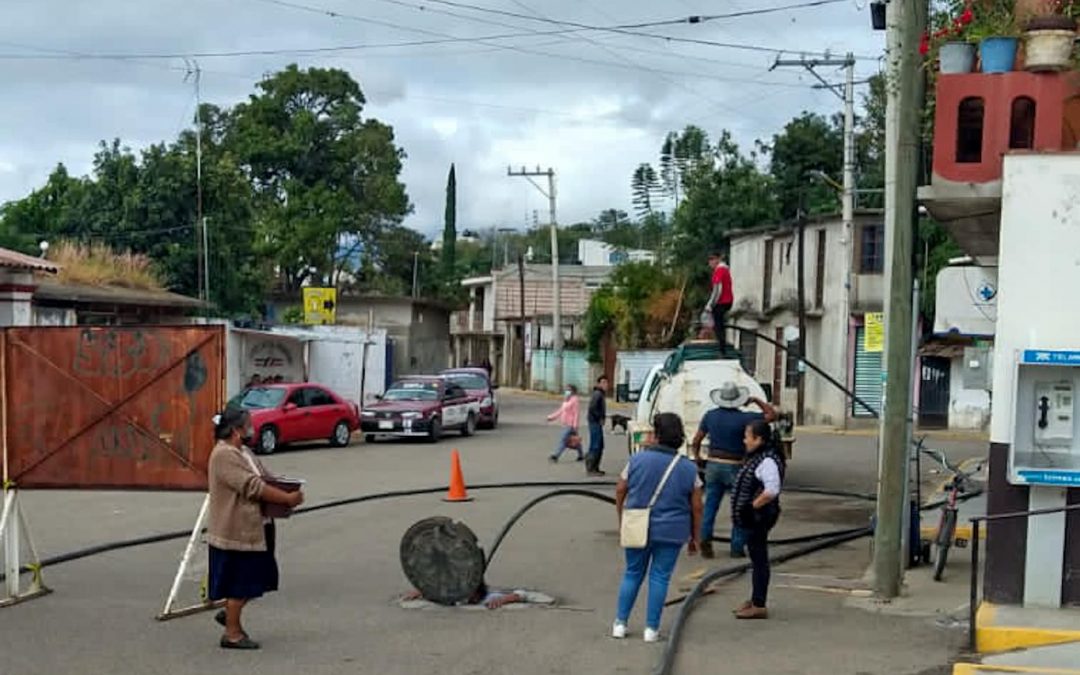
<point>956,57</point>
<point>997,54</point>
<point>1048,50</point>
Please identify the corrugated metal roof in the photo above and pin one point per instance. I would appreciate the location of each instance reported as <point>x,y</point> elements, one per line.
<point>19,261</point>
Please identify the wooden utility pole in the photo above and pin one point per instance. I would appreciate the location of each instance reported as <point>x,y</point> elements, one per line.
<point>905,24</point>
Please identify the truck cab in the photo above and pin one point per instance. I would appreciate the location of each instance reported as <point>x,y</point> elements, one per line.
<point>682,385</point>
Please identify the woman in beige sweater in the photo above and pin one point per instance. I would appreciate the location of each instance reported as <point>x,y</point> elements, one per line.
<point>241,539</point>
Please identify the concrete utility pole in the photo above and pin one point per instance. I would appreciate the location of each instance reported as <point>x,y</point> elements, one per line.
<point>202,277</point>
<point>905,23</point>
<point>847,194</point>
<point>556,314</point>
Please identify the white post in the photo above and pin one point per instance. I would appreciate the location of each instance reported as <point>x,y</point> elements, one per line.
<point>848,209</point>
<point>9,533</point>
<point>556,315</point>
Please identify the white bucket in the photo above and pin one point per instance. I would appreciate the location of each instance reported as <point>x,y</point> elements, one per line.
<point>956,58</point>
<point>1048,50</point>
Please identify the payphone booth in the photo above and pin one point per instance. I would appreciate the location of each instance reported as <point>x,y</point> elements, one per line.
<point>1046,445</point>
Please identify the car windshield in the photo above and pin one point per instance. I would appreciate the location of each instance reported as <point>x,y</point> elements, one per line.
<point>468,380</point>
<point>258,398</point>
<point>412,391</point>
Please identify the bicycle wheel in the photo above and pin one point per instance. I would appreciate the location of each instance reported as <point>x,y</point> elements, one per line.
<point>946,535</point>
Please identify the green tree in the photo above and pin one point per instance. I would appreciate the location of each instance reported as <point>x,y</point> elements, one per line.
<point>449,247</point>
<point>807,144</point>
<point>645,188</point>
<point>319,170</point>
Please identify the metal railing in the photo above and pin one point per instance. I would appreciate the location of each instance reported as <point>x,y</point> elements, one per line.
<point>976,532</point>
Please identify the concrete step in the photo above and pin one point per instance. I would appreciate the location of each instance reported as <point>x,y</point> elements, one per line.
<point>1003,628</point>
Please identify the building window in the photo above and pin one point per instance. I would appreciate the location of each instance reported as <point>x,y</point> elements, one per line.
<point>1022,124</point>
<point>819,277</point>
<point>969,131</point>
<point>766,299</point>
<point>872,249</point>
<point>791,367</point>
<point>748,352</point>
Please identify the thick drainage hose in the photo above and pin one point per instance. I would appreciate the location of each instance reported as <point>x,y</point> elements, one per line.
<point>667,660</point>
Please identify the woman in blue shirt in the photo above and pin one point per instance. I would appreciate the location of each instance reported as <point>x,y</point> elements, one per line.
<point>674,520</point>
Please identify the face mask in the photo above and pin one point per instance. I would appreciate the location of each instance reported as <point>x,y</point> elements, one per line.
<point>567,393</point>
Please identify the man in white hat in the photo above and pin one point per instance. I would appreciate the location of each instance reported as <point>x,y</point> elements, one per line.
<point>725,425</point>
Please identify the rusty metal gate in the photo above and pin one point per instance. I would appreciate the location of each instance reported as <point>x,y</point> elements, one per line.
<point>110,407</point>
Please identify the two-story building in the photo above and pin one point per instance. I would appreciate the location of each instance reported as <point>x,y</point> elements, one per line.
<point>764,269</point>
<point>510,315</point>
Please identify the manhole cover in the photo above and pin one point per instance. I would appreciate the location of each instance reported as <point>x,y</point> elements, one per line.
<point>442,560</point>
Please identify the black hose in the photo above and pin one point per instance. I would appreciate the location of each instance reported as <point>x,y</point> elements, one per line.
<point>829,378</point>
<point>180,534</point>
<point>667,660</point>
<point>529,505</point>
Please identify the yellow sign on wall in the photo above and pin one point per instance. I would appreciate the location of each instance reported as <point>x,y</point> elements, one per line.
<point>320,306</point>
<point>874,333</point>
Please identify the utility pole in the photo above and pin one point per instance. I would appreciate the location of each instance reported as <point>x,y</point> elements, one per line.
<point>847,198</point>
<point>202,277</point>
<point>904,24</point>
<point>556,314</point>
<point>521,316</point>
<point>800,392</point>
<point>415,272</point>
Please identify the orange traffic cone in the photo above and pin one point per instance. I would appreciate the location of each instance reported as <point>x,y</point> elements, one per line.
<point>457,491</point>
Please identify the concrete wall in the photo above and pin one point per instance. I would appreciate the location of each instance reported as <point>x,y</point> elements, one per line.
<point>1028,560</point>
<point>575,370</point>
<point>968,408</point>
<point>577,284</point>
<point>15,297</point>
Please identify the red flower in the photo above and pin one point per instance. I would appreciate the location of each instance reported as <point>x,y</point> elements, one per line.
<point>924,44</point>
<point>966,17</point>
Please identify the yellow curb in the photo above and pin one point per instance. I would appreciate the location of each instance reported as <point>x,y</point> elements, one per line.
<point>992,639</point>
<point>976,668</point>
<point>963,533</point>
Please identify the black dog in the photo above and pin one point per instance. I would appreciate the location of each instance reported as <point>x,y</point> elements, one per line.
<point>619,421</point>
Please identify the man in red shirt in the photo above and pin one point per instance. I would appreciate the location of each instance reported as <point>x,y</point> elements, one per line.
<point>721,298</point>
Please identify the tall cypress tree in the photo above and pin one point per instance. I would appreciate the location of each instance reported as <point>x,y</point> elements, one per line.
<point>449,248</point>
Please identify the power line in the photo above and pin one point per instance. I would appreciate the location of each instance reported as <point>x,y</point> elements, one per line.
<point>631,29</point>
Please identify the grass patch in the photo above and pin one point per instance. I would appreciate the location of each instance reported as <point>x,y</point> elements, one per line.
<point>99,265</point>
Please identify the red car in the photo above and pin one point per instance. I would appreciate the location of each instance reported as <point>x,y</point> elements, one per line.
<point>294,413</point>
<point>477,383</point>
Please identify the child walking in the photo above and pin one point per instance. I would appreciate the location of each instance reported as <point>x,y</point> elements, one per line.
<point>567,416</point>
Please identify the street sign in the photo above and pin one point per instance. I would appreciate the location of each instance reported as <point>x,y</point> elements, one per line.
<point>874,334</point>
<point>320,306</point>
<point>1050,357</point>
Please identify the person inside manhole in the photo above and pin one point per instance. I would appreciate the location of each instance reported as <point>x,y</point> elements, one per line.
<point>492,598</point>
<point>756,508</point>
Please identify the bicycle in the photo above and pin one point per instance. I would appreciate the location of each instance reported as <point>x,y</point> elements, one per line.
<point>957,485</point>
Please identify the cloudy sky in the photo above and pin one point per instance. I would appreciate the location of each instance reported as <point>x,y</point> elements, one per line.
<point>592,104</point>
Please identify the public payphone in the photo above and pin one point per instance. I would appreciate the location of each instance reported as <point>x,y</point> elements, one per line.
<point>1046,443</point>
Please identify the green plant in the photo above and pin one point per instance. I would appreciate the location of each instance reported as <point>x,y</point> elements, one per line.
<point>994,18</point>
<point>293,315</point>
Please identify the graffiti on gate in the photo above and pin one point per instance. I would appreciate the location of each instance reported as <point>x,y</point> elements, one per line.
<point>120,353</point>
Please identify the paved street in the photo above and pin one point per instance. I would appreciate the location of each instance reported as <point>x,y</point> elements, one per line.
<point>336,612</point>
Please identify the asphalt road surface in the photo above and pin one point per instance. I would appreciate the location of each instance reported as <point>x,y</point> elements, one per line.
<point>337,610</point>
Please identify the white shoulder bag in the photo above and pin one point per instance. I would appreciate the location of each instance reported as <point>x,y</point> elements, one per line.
<point>634,529</point>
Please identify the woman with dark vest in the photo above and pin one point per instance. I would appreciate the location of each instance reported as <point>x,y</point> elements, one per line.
<point>659,475</point>
<point>756,508</point>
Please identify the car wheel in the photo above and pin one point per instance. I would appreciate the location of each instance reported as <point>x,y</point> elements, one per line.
<point>369,438</point>
<point>495,419</point>
<point>268,440</point>
<point>342,435</point>
<point>435,430</point>
<point>470,426</point>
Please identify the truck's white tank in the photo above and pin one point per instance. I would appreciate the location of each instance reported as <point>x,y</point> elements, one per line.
<point>686,393</point>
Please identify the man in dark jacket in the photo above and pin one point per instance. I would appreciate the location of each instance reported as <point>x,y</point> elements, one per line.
<point>597,416</point>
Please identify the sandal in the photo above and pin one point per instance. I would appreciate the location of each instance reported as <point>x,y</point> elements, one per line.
<point>245,643</point>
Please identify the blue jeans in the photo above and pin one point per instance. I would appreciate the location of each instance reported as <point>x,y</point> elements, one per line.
<point>660,560</point>
<point>596,446</point>
<point>567,432</point>
<point>719,478</point>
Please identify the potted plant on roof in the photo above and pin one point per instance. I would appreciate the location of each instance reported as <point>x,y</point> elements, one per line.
<point>945,43</point>
<point>1050,35</point>
<point>995,28</point>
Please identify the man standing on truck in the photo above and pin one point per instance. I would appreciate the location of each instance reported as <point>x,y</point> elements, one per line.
<point>725,426</point>
<point>721,298</point>
<point>597,416</point>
